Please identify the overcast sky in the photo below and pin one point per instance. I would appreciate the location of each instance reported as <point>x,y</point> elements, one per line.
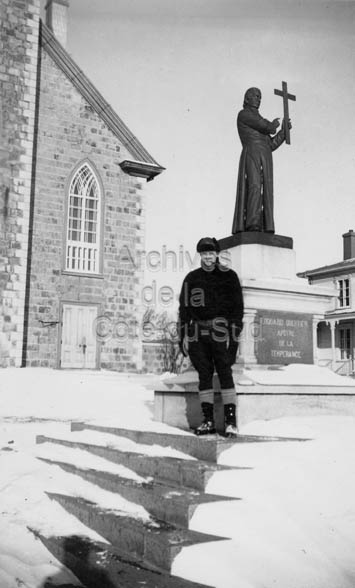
<point>176,73</point>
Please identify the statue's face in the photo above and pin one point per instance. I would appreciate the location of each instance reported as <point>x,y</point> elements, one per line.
<point>253,97</point>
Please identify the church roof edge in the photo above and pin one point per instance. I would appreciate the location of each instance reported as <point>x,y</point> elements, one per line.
<point>87,89</point>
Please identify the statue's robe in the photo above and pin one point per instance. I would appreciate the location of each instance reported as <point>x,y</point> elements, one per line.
<point>254,207</point>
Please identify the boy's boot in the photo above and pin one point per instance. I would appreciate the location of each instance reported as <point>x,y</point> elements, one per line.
<point>207,426</point>
<point>230,421</point>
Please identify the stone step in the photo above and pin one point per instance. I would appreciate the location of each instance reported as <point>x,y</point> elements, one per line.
<point>166,503</point>
<point>99,565</point>
<point>170,470</point>
<point>206,448</point>
<point>155,543</point>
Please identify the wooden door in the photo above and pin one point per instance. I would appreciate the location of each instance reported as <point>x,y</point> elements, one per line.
<point>78,345</point>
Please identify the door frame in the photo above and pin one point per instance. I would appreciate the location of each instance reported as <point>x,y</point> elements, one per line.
<point>344,325</point>
<point>62,303</point>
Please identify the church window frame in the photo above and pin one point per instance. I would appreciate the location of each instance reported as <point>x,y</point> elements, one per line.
<point>83,226</point>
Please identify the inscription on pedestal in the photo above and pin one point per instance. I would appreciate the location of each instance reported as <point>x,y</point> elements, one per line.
<point>284,337</point>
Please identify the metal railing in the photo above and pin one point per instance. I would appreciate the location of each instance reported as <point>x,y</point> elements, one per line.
<point>342,367</point>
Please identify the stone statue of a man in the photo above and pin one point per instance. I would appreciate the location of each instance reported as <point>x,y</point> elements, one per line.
<point>254,210</point>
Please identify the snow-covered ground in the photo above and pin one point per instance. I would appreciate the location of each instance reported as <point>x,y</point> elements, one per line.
<point>297,375</point>
<point>294,528</point>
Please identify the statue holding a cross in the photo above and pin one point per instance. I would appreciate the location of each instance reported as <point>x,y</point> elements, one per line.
<point>254,210</point>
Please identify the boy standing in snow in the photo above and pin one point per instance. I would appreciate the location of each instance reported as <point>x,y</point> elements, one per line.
<point>210,321</point>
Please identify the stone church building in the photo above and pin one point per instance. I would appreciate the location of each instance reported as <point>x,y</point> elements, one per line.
<point>71,176</point>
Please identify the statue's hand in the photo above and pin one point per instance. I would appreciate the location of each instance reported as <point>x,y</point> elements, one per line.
<point>275,123</point>
<point>289,124</point>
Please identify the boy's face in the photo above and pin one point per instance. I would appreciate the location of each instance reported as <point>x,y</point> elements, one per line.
<point>208,258</point>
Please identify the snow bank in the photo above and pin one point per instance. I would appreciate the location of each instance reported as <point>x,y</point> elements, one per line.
<point>103,398</point>
<point>297,375</point>
<point>295,524</point>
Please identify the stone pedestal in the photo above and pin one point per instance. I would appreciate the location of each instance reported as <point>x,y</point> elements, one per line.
<point>176,401</point>
<point>261,256</point>
<point>281,310</point>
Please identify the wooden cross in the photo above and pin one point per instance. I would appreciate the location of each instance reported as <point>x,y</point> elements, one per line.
<point>286,97</point>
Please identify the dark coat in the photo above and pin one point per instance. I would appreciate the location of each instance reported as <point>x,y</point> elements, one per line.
<point>207,295</point>
<point>255,194</point>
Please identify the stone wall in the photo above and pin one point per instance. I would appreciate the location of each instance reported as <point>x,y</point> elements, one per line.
<point>155,360</point>
<point>18,66</point>
<point>70,132</point>
<point>153,357</point>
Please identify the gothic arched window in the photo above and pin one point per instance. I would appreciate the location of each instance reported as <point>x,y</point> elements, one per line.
<point>83,227</point>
